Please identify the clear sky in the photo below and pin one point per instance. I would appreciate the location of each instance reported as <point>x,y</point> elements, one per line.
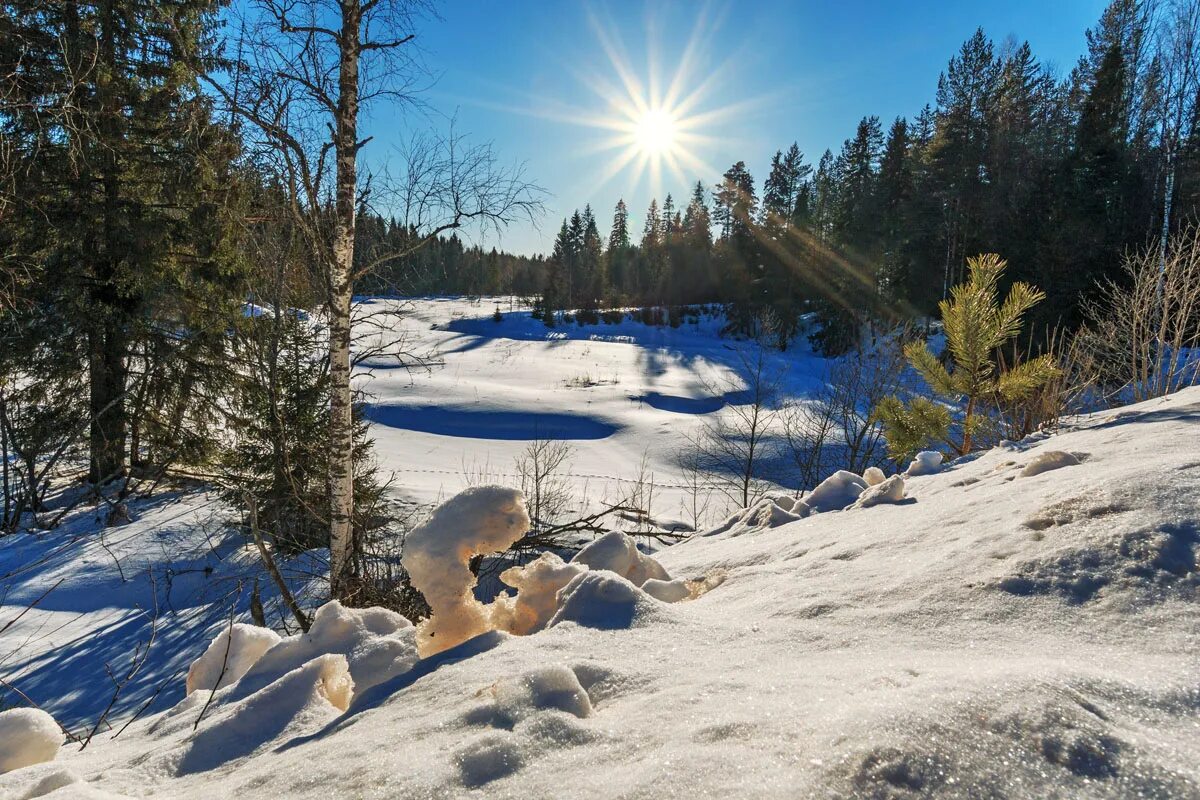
<point>591,96</point>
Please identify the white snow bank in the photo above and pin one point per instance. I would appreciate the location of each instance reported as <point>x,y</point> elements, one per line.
<point>926,462</point>
<point>299,702</point>
<point>479,521</point>
<point>377,644</point>
<point>617,552</point>
<point>537,584</point>
<point>555,687</point>
<point>890,490</point>
<point>1051,459</point>
<point>229,656</point>
<point>27,736</point>
<point>834,493</point>
<point>873,476</point>
<point>602,599</point>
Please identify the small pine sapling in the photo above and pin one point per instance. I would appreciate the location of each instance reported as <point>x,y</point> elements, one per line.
<point>976,323</point>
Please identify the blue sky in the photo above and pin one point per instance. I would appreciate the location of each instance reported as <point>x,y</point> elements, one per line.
<point>525,74</point>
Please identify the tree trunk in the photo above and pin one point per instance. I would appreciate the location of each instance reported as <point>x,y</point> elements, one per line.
<point>341,434</point>
<point>106,379</point>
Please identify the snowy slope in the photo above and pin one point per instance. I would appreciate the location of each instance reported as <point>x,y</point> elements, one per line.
<point>995,635</point>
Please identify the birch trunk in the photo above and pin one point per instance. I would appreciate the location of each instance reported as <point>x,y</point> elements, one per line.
<point>341,434</point>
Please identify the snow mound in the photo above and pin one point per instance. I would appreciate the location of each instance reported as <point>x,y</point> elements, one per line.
<point>839,490</point>
<point>28,736</point>
<point>437,554</point>
<point>926,462</point>
<point>537,584</point>
<point>299,702</point>
<point>1049,460</point>
<point>668,591</point>
<point>890,490</point>
<point>513,700</point>
<point>229,656</point>
<point>770,512</point>
<point>52,781</point>
<point>376,643</point>
<point>873,476</point>
<point>617,552</point>
<point>1156,562</point>
<point>602,599</point>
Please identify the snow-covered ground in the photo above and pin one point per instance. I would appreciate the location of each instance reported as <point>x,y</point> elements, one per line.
<point>1021,624</point>
<point>1002,631</point>
<point>615,393</point>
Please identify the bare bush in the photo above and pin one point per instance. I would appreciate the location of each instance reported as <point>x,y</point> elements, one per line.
<point>835,429</point>
<point>734,444</point>
<point>541,472</point>
<point>1142,332</point>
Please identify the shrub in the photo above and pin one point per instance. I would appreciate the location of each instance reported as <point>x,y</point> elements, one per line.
<point>976,324</point>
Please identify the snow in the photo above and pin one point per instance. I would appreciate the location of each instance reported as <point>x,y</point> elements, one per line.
<point>889,490</point>
<point>229,656</point>
<point>834,493</point>
<point>537,584</point>
<point>980,634</point>
<point>27,736</point>
<point>377,644</point>
<point>873,476</point>
<point>1051,459</point>
<point>926,462</point>
<point>603,599</point>
<point>617,552</point>
<point>479,521</point>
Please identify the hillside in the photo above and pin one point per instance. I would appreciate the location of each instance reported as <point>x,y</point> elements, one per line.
<point>1001,632</point>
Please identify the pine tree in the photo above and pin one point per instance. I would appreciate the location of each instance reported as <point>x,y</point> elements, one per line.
<point>121,207</point>
<point>976,325</point>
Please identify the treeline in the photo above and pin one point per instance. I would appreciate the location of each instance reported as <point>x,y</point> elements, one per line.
<point>1061,175</point>
<point>443,265</point>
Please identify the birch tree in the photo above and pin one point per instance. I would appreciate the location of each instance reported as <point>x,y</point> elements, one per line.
<point>302,73</point>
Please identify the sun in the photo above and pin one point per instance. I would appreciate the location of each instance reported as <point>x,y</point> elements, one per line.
<point>656,132</point>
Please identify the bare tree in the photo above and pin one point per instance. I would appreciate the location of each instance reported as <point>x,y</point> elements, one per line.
<point>304,70</point>
<point>835,428</point>
<point>733,444</point>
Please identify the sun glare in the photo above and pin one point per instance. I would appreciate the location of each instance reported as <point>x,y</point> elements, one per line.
<point>655,125</point>
<point>656,133</point>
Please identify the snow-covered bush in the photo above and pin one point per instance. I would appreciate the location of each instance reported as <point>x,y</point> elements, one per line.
<point>479,521</point>
<point>27,736</point>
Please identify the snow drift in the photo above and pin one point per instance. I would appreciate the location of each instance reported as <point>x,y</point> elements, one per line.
<point>990,635</point>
